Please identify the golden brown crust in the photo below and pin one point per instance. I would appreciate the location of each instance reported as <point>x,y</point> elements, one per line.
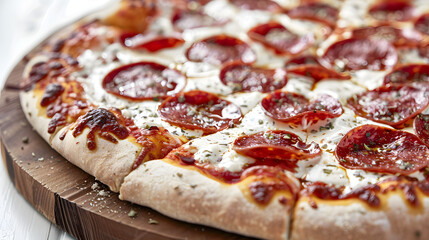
<point>30,102</point>
<point>354,219</point>
<point>187,194</point>
<point>109,162</point>
<point>190,196</point>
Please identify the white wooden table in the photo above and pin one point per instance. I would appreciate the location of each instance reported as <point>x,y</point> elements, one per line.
<point>24,23</point>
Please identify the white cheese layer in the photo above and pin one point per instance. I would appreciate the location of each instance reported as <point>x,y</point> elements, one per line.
<point>217,149</point>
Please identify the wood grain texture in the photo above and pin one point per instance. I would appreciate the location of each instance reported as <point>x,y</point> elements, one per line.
<point>69,197</point>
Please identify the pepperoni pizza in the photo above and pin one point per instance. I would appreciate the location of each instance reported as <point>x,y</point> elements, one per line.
<point>277,119</point>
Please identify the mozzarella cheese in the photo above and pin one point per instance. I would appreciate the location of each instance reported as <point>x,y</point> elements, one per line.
<point>217,149</point>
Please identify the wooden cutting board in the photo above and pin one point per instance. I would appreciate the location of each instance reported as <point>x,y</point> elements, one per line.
<point>68,196</point>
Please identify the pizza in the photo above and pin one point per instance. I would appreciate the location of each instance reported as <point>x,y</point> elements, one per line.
<point>275,119</point>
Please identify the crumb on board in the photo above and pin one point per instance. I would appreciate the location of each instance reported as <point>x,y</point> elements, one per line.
<point>152,221</point>
<point>132,213</point>
<point>103,193</point>
<point>94,186</point>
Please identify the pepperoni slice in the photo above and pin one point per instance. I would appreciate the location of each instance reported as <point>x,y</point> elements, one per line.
<point>244,77</point>
<point>143,81</point>
<point>199,110</point>
<point>422,24</point>
<point>303,60</point>
<point>220,49</point>
<point>316,11</point>
<point>317,72</point>
<point>391,105</point>
<point>296,109</point>
<point>356,54</point>
<point>276,145</point>
<point>380,149</point>
<point>398,37</point>
<point>188,19</point>
<point>388,11</point>
<point>266,5</point>
<point>149,42</point>
<point>421,127</point>
<point>275,36</point>
<point>415,73</point>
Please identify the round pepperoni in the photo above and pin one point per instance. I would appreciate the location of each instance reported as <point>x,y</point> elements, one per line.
<point>388,11</point>
<point>317,72</point>
<point>143,81</point>
<point>421,127</point>
<point>380,149</point>
<point>422,24</point>
<point>220,49</point>
<point>199,110</point>
<point>316,11</point>
<point>276,145</point>
<point>149,42</point>
<point>398,37</point>
<point>391,105</point>
<point>356,54</point>
<point>275,36</point>
<point>246,78</point>
<point>266,5</point>
<point>188,19</point>
<point>296,109</point>
<point>417,74</point>
<point>302,60</point>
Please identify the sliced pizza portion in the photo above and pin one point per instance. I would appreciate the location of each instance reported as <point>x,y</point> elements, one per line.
<point>392,209</point>
<point>109,146</point>
<point>239,183</point>
<point>50,97</point>
<point>101,141</point>
<point>378,210</point>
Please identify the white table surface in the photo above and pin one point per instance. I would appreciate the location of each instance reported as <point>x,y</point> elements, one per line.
<point>24,23</point>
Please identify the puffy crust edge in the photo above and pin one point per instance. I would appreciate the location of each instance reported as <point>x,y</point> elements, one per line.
<point>109,162</point>
<point>31,107</point>
<point>355,220</point>
<point>190,196</point>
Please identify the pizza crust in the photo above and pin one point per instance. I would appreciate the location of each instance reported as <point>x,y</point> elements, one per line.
<point>30,103</point>
<point>109,162</point>
<point>188,195</point>
<point>355,220</point>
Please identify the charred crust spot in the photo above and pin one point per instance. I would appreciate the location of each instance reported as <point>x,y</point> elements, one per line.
<point>103,121</point>
<point>58,45</point>
<point>261,192</point>
<point>57,120</point>
<point>52,92</point>
<point>187,160</point>
<point>38,72</point>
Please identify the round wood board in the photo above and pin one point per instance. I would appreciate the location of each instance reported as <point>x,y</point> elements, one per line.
<point>69,197</point>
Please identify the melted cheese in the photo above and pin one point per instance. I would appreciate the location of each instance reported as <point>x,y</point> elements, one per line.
<point>217,149</point>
